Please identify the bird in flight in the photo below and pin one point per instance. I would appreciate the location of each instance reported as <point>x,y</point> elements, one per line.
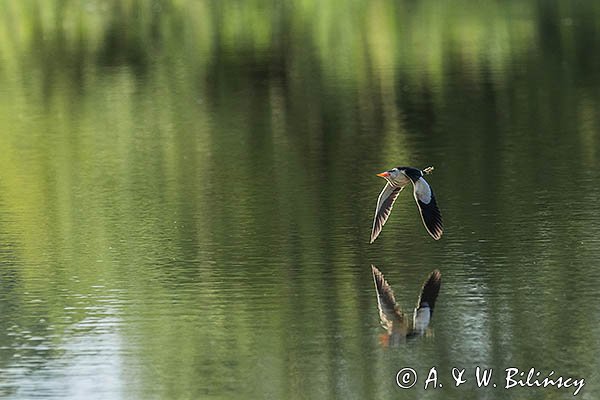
<point>397,178</point>
<point>397,324</point>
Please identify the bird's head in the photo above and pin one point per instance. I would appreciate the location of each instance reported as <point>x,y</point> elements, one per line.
<point>392,174</point>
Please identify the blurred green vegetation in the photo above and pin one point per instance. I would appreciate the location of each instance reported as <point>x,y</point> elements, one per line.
<point>203,166</point>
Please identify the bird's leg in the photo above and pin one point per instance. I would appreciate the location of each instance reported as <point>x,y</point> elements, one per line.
<point>428,170</point>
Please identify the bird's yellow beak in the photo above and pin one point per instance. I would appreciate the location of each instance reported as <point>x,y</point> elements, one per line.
<point>384,174</point>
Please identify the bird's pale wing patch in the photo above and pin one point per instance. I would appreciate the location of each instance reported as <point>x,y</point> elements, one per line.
<point>430,213</point>
<point>384,207</point>
<point>421,320</point>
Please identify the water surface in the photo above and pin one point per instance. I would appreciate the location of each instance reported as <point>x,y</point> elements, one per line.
<point>187,191</point>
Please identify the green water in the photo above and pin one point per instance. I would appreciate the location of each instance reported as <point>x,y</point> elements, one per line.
<point>187,191</point>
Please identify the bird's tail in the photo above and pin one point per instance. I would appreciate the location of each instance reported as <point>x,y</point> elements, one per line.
<point>428,170</point>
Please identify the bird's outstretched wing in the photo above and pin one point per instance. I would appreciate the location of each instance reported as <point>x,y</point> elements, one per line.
<point>426,302</point>
<point>430,290</point>
<point>430,213</point>
<point>389,313</point>
<point>384,207</point>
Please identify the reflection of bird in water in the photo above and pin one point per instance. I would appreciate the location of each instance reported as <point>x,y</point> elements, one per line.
<point>397,324</point>
<point>397,178</point>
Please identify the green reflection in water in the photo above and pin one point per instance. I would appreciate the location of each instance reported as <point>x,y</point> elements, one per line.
<point>187,190</point>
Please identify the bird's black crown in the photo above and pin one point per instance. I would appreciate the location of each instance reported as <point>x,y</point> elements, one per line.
<point>413,173</point>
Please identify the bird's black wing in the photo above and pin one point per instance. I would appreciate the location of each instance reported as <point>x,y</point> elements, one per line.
<point>426,302</point>
<point>430,213</point>
<point>430,290</point>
